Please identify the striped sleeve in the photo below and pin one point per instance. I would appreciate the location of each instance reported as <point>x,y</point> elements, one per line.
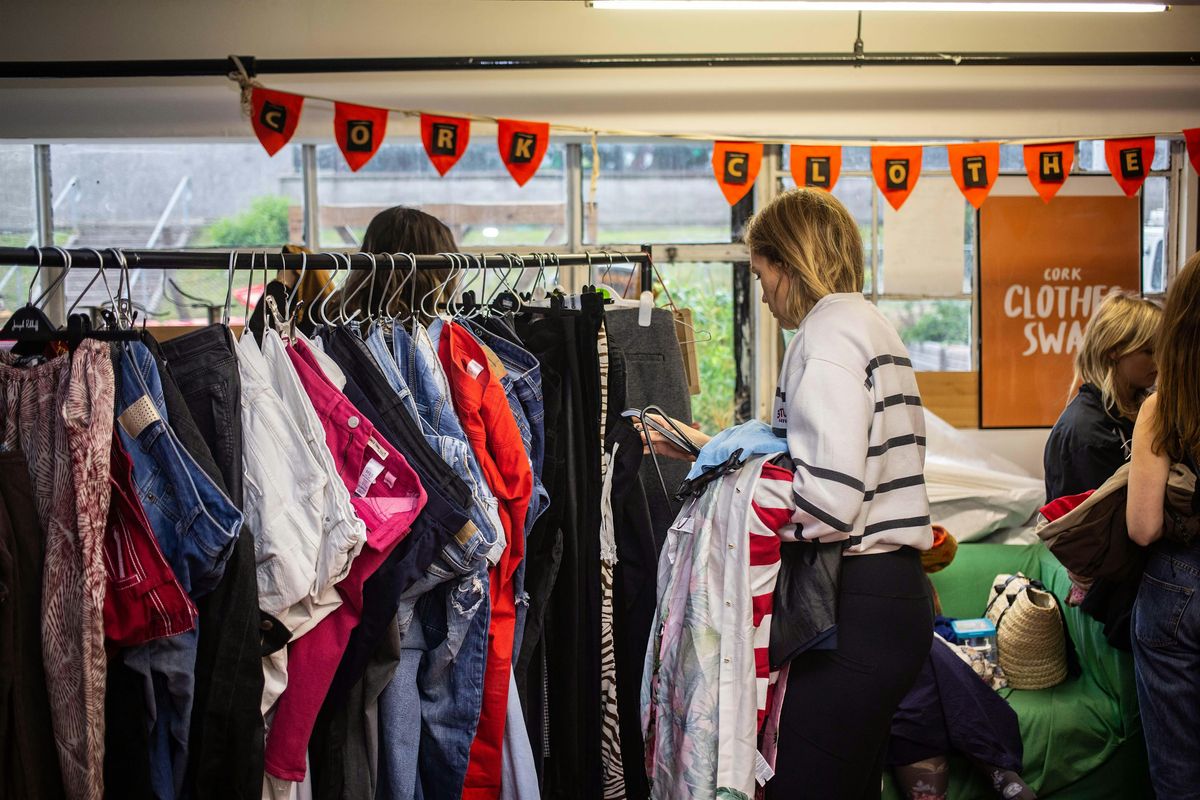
<point>829,411</point>
<point>772,511</point>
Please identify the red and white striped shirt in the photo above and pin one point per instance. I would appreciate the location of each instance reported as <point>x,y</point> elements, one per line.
<point>771,520</point>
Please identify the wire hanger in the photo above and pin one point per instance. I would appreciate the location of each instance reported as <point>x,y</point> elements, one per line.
<point>370,291</point>
<point>291,298</point>
<point>229,288</point>
<point>100,275</point>
<point>649,418</point>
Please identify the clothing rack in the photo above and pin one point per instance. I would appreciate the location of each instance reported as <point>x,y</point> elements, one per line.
<point>111,258</point>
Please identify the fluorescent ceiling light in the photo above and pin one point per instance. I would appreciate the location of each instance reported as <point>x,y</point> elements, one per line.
<point>1027,6</point>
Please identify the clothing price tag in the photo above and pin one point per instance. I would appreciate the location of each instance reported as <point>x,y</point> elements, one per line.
<point>377,447</point>
<point>474,368</point>
<point>370,473</point>
<point>762,770</point>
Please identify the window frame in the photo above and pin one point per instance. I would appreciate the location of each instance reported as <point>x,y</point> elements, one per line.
<point>1181,198</point>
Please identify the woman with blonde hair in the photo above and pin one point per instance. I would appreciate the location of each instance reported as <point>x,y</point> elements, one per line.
<point>848,408</point>
<point>1114,370</point>
<point>1166,624</point>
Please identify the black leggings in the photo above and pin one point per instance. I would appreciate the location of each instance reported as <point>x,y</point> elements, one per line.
<point>837,713</point>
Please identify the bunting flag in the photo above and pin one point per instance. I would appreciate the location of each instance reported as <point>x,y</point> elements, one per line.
<point>1192,137</point>
<point>736,166</point>
<point>975,167</point>
<point>1129,161</point>
<point>359,131</point>
<point>445,140</point>
<point>522,147</point>
<point>274,116</point>
<point>896,171</point>
<point>817,167</point>
<point>1048,166</point>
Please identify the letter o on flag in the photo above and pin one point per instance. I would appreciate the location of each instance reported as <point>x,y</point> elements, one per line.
<point>897,173</point>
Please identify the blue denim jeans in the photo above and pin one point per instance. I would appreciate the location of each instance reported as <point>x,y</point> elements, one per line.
<point>196,526</point>
<point>1166,651</point>
<point>443,618</point>
<point>523,387</point>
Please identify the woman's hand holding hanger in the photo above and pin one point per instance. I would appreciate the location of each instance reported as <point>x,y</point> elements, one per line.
<point>663,445</point>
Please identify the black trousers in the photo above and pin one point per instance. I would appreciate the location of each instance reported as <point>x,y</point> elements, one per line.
<point>28,757</point>
<point>226,740</point>
<point>837,713</point>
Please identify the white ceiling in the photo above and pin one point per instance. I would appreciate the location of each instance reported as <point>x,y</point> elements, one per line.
<point>843,102</point>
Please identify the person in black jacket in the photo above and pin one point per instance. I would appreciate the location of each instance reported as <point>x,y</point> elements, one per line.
<point>1114,370</point>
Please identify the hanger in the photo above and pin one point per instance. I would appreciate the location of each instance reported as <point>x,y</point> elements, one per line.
<point>229,288</point>
<point>291,298</point>
<point>668,429</point>
<point>395,317</point>
<point>618,298</point>
<point>30,320</point>
<point>250,282</point>
<point>31,329</point>
<point>100,274</point>
<point>369,282</point>
<point>508,301</point>
<point>438,288</point>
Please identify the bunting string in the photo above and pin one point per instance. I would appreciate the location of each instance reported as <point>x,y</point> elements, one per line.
<point>360,130</point>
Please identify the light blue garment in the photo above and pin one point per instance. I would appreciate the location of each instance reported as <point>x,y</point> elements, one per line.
<point>443,618</point>
<point>519,780</point>
<point>753,438</point>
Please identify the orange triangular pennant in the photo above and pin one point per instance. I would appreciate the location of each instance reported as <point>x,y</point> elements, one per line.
<point>522,147</point>
<point>445,140</point>
<point>1048,166</point>
<point>274,116</point>
<point>359,131</point>
<point>975,167</point>
<point>736,165</point>
<point>818,167</point>
<point>1129,161</point>
<point>1192,137</point>
<point>896,171</point>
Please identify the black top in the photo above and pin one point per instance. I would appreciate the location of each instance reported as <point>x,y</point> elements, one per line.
<point>1087,445</point>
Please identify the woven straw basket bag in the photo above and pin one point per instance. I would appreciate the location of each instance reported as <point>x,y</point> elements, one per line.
<point>1030,635</point>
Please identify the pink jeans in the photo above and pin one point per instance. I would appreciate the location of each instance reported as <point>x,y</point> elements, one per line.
<point>387,496</point>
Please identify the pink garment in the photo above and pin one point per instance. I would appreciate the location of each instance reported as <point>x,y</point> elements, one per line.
<point>60,415</point>
<point>387,496</point>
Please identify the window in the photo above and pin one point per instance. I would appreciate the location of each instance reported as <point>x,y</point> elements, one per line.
<point>477,198</point>
<point>707,289</point>
<point>172,196</point>
<point>650,193</point>
<point>17,222</point>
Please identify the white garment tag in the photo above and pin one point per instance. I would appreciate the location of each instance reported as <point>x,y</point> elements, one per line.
<point>762,770</point>
<point>377,447</point>
<point>474,367</point>
<point>370,473</point>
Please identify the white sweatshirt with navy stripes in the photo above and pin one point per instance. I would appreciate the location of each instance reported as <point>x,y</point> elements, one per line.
<point>849,407</point>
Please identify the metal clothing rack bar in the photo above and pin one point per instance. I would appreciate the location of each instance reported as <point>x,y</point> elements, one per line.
<point>264,260</point>
<point>221,67</point>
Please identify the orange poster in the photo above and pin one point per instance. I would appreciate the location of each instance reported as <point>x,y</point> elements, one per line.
<point>1042,270</point>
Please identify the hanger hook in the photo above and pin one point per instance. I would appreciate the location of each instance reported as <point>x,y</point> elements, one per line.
<point>326,295</point>
<point>295,289</point>
<point>229,287</point>
<point>36,273</point>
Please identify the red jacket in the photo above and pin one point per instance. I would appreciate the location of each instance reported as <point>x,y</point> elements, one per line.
<point>492,432</point>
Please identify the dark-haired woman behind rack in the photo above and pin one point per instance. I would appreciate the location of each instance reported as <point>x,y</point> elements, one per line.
<point>398,229</point>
